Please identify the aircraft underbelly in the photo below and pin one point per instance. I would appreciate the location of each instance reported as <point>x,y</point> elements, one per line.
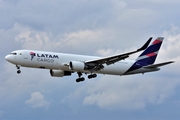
<point>142,70</point>
<point>115,69</point>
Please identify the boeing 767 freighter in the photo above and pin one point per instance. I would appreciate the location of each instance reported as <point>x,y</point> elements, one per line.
<point>61,64</point>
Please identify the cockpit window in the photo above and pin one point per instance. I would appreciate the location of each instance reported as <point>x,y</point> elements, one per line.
<point>14,53</point>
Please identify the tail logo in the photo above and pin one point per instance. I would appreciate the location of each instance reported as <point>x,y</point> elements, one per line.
<point>32,55</point>
<point>148,57</point>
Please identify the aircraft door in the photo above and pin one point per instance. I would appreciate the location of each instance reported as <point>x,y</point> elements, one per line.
<point>25,55</point>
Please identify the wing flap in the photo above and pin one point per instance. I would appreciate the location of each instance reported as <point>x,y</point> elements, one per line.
<point>158,65</point>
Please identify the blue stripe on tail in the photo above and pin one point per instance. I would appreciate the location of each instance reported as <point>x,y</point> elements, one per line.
<point>148,57</point>
<point>151,49</point>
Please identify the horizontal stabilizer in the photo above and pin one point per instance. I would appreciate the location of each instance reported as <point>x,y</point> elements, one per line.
<point>158,65</point>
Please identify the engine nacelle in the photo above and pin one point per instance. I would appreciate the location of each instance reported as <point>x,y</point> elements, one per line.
<point>59,73</point>
<point>76,65</point>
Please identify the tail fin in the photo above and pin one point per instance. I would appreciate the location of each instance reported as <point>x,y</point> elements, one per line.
<point>148,57</point>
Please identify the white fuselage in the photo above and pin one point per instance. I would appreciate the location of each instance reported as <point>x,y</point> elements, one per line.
<point>60,61</point>
<point>61,64</point>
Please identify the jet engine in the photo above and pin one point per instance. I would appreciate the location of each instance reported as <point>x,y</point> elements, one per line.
<point>77,65</point>
<point>59,73</point>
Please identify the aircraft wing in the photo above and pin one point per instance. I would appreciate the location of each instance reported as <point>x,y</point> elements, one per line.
<point>159,64</point>
<point>113,59</point>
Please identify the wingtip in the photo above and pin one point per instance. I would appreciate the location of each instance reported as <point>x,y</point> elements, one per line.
<point>172,61</point>
<point>150,39</point>
<point>145,45</point>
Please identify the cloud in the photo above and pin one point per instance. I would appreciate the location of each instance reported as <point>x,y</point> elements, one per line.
<point>87,40</point>
<point>32,39</point>
<point>37,100</point>
<point>127,92</point>
<point>77,41</point>
<point>94,28</point>
<point>172,43</point>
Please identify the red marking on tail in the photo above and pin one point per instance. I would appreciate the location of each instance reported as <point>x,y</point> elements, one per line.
<point>156,42</point>
<point>151,54</point>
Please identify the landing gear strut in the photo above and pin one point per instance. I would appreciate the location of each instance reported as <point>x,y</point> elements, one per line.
<point>80,79</point>
<point>18,69</point>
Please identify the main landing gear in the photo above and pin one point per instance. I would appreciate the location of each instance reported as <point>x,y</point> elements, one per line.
<point>80,79</point>
<point>92,76</point>
<point>18,69</point>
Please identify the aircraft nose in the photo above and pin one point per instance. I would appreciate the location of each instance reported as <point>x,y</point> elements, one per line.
<point>7,57</point>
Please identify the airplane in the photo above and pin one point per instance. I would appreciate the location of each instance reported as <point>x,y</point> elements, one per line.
<point>62,64</point>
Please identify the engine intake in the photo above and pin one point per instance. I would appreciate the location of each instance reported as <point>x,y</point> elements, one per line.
<point>76,65</point>
<point>59,73</point>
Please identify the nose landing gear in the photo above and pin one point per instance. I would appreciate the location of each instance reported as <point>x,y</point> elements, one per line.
<point>18,69</point>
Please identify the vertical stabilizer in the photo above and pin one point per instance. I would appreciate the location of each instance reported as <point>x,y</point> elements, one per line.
<point>148,57</point>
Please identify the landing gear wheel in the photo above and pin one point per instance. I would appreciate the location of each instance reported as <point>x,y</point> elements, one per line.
<point>77,80</point>
<point>19,71</point>
<point>80,79</point>
<point>92,76</point>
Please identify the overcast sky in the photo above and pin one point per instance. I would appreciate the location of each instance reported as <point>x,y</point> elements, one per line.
<point>90,27</point>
